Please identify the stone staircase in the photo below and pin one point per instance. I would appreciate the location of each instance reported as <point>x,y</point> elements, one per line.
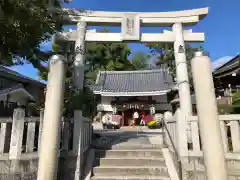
<point>130,162</point>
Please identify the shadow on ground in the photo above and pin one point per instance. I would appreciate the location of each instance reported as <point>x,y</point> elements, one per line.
<point>108,139</point>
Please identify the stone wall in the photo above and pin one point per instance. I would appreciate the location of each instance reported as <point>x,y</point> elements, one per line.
<point>194,170</point>
<point>18,169</point>
<point>27,169</point>
<point>20,138</point>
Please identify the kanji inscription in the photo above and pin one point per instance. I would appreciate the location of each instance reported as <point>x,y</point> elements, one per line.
<point>131,27</point>
<point>80,50</point>
<point>181,49</point>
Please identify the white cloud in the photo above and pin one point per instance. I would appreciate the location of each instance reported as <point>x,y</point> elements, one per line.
<point>219,62</point>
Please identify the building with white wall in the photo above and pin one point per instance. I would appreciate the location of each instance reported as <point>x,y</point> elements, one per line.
<point>124,92</point>
<point>18,90</point>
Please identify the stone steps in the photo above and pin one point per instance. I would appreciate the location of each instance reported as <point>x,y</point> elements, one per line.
<point>134,146</point>
<point>130,156</point>
<point>129,161</point>
<point>130,178</point>
<point>131,170</point>
<point>151,153</point>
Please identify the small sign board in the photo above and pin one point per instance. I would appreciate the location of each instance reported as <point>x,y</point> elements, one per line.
<point>133,106</point>
<point>130,27</point>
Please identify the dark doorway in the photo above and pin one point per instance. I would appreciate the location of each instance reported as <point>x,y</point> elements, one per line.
<point>128,113</point>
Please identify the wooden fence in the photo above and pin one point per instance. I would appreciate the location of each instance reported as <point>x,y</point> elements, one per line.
<point>20,136</point>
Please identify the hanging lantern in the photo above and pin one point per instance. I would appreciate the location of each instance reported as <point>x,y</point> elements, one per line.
<point>152,109</point>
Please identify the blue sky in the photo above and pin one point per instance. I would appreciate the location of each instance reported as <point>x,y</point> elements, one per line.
<point>221,26</point>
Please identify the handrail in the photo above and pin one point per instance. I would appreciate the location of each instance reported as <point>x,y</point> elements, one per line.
<point>164,126</point>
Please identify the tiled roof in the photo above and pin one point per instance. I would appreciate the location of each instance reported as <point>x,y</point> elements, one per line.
<point>13,89</point>
<point>230,62</point>
<point>220,61</point>
<point>228,68</point>
<point>134,81</point>
<point>93,87</point>
<point>7,90</point>
<point>20,76</point>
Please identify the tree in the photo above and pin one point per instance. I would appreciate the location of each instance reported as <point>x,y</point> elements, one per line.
<point>99,56</point>
<point>24,26</point>
<point>164,53</point>
<point>140,60</point>
<point>106,56</point>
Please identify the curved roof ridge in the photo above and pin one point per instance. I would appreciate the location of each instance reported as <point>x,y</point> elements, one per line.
<point>19,75</point>
<point>14,88</point>
<point>131,83</point>
<point>227,61</point>
<point>134,71</point>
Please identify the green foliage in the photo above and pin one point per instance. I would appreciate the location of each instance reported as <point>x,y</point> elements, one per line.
<point>236,103</point>
<point>140,60</point>
<point>106,56</point>
<point>236,96</point>
<point>233,108</point>
<point>81,99</point>
<point>225,109</point>
<point>84,100</point>
<point>99,56</point>
<point>26,24</point>
<point>165,56</point>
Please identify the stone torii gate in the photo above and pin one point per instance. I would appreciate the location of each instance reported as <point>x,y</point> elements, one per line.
<point>130,23</point>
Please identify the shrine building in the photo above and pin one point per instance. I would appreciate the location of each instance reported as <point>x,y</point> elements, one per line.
<point>123,92</point>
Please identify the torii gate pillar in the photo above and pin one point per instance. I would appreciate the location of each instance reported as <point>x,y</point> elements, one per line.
<point>182,71</point>
<point>78,79</point>
<point>49,148</point>
<point>79,60</point>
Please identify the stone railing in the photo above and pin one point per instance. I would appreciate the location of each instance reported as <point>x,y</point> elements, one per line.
<point>20,138</point>
<point>170,131</point>
<point>185,135</point>
<point>189,130</point>
<point>230,131</point>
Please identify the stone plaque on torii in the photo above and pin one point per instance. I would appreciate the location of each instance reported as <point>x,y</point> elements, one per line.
<point>130,27</point>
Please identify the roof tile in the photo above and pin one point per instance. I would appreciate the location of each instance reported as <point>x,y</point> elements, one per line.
<point>135,81</point>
